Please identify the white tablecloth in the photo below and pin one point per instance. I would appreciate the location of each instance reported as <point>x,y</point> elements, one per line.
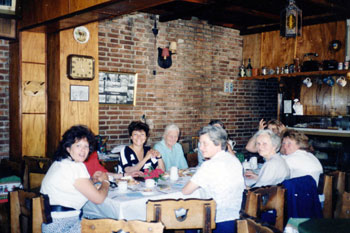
<point>131,205</point>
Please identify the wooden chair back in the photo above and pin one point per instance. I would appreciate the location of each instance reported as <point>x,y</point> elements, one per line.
<point>39,213</point>
<point>345,206</point>
<point>35,169</point>
<point>266,198</point>
<point>337,191</point>
<point>251,226</point>
<point>192,159</point>
<point>21,211</point>
<point>194,142</point>
<point>183,214</point>
<point>111,225</point>
<point>328,196</point>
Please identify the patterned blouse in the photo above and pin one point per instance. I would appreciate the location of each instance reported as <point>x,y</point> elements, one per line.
<point>128,158</point>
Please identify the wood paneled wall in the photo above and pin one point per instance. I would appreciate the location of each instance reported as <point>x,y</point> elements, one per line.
<point>33,94</point>
<point>64,113</point>
<point>324,100</point>
<point>271,50</point>
<point>28,96</point>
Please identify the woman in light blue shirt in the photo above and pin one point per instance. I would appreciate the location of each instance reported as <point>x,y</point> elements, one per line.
<point>170,149</point>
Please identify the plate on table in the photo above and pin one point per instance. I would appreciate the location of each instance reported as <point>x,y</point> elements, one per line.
<point>148,191</point>
<point>163,186</point>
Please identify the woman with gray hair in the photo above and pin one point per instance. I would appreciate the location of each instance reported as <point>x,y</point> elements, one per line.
<point>220,176</point>
<point>170,149</point>
<point>275,169</point>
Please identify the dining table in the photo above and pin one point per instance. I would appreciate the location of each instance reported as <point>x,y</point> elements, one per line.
<point>131,203</point>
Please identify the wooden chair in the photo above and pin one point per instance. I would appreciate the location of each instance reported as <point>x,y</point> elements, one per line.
<point>328,196</point>
<point>266,198</point>
<point>35,169</point>
<point>251,226</point>
<point>194,142</point>
<point>183,214</point>
<point>192,159</point>
<point>40,213</point>
<point>345,206</point>
<point>21,211</point>
<point>338,188</point>
<point>111,225</point>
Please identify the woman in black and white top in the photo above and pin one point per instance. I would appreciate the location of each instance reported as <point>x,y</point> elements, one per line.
<point>138,156</point>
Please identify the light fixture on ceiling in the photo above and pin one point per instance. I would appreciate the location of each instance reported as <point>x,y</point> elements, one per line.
<point>291,20</point>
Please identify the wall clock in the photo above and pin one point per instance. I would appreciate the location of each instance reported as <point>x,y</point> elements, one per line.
<point>80,67</point>
<point>81,34</point>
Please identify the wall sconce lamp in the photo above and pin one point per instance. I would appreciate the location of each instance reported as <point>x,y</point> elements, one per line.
<point>172,47</point>
<point>291,20</point>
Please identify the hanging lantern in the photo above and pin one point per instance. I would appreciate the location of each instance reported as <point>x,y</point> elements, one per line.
<point>291,23</point>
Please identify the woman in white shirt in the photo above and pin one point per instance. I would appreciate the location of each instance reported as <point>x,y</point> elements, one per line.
<point>220,176</point>
<point>275,170</point>
<point>68,183</point>
<point>299,160</point>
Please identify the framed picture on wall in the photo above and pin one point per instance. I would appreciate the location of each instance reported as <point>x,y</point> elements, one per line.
<point>117,88</point>
<point>79,93</point>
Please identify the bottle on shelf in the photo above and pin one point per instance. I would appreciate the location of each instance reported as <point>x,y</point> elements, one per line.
<point>242,72</point>
<point>249,69</point>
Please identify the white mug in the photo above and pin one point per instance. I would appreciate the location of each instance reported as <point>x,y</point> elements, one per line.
<point>123,186</point>
<point>341,81</point>
<point>150,183</point>
<point>174,173</point>
<point>307,82</point>
<point>253,162</point>
<point>246,165</point>
<point>231,143</point>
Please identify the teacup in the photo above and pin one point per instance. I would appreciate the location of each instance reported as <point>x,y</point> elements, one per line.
<point>123,186</point>
<point>341,81</point>
<point>253,161</point>
<point>307,82</point>
<point>150,183</point>
<point>174,173</point>
<point>232,143</point>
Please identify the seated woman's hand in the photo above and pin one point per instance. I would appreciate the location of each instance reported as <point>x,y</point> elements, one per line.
<point>95,176</point>
<point>262,124</point>
<point>101,176</point>
<point>155,154</point>
<point>250,175</point>
<point>134,173</point>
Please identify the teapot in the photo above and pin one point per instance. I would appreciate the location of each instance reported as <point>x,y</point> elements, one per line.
<point>310,65</point>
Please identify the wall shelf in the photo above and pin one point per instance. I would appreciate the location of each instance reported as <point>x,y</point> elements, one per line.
<point>298,74</point>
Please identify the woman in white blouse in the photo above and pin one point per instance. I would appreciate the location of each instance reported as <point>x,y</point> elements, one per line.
<point>220,176</point>
<point>275,169</point>
<point>299,160</point>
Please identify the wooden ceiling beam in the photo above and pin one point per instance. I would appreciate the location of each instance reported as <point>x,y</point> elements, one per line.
<point>179,14</point>
<point>91,14</point>
<point>252,12</point>
<point>328,4</point>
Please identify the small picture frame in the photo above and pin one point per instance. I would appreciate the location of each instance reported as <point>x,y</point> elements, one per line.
<point>117,88</point>
<point>79,93</point>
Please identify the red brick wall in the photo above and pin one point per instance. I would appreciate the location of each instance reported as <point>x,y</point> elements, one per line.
<point>4,99</point>
<point>190,92</point>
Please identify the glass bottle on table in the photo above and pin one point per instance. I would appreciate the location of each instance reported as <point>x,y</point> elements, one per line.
<point>242,71</point>
<point>249,69</point>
